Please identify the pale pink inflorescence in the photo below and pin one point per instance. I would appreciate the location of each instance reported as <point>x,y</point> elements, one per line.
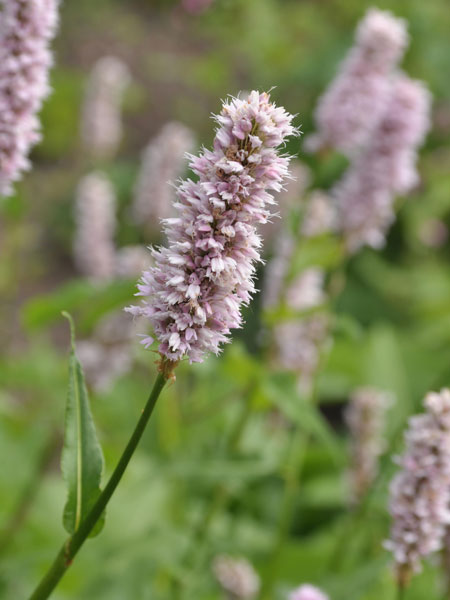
<point>290,196</point>
<point>300,180</point>
<point>354,103</point>
<point>108,353</point>
<point>365,195</point>
<point>308,592</point>
<point>276,271</point>
<point>237,577</point>
<point>420,492</point>
<point>193,294</point>
<point>365,417</point>
<point>131,261</point>
<point>306,290</point>
<point>299,342</point>
<point>319,216</point>
<point>26,29</point>
<point>163,161</point>
<point>101,119</point>
<point>94,249</point>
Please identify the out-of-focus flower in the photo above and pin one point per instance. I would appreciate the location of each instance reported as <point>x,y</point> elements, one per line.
<point>365,195</point>
<point>163,161</point>
<point>194,293</point>
<point>94,250</point>
<point>420,492</point>
<point>108,355</point>
<point>287,199</point>
<point>365,207</point>
<point>196,6</point>
<point>402,131</point>
<point>353,105</point>
<point>237,577</point>
<point>365,416</point>
<point>299,344</point>
<point>131,261</point>
<point>276,271</point>
<point>433,233</point>
<point>306,291</point>
<point>320,215</point>
<point>101,121</point>
<point>308,592</point>
<point>26,28</point>
<point>300,180</point>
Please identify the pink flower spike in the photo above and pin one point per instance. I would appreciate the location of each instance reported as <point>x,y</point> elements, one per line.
<point>387,166</point>
<point>354,103</point>
<point>95,206</point>
<point>26,29</point>
<point>163,161</point>
<point>202,278</point>
<point>420,491</point>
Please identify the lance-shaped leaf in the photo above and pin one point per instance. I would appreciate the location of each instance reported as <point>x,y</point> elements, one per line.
<point>82,457</point>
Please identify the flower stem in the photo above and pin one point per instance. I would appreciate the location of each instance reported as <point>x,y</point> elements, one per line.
<point>400,592</point>
<point>71,546</point>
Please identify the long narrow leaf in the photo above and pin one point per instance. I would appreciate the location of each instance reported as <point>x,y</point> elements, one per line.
<point>82,457</point>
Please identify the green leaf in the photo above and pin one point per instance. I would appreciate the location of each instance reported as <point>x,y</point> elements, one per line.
<point>223,470</point>
<point>82,457</point>
<point>385,369</point>
<point>323,251</point>
<point>89,301</point>
<point>283,312</point>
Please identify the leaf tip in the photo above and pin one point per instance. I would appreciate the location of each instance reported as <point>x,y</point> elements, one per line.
<point>68,316</point>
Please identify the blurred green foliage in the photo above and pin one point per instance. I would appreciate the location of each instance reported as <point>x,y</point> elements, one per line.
<point>213,435</point>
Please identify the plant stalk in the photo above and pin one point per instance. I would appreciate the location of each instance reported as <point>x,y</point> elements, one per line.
<point>71,546</point>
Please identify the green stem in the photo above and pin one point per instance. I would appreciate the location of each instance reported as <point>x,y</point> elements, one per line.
<point>71,546</point>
